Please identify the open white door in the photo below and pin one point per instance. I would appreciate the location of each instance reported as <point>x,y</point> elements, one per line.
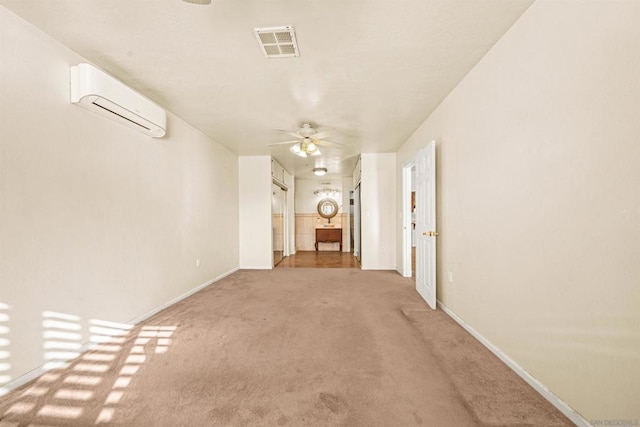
<point>407,220</point>
<point>426,223</point>
<point>357,227</point>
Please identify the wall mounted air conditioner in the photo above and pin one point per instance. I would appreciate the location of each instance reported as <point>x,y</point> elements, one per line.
<point>97,91</point>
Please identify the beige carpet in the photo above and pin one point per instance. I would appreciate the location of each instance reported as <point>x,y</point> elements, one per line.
<point>288,347</point>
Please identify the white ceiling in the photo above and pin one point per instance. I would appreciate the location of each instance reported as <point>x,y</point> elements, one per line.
<point>369,70</point>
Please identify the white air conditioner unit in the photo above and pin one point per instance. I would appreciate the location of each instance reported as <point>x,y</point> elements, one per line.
<point>97,91</point>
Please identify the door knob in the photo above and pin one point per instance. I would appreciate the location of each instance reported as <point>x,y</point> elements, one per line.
<point>430,233</point>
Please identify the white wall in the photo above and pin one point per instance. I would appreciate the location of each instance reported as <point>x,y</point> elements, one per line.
<point>539,203</point>
<point>307,202</point>
<point>97,221</point>
<point>378,196</point>
<point>256,246</point>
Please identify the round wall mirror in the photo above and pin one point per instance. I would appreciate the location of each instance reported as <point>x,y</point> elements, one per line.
<point>327,208</point>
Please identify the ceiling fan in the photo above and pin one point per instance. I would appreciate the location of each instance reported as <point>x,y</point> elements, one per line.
<point>307,142</point>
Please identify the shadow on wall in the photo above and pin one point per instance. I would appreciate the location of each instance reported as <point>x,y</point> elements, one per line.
<point>80,388</point>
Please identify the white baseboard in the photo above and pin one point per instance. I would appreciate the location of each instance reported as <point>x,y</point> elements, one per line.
<point>32,375</point>
<point>379,268</point>
<point>21,380</point>
<point>401,272</point>
<point>181,297</point>
<point>575,417</point>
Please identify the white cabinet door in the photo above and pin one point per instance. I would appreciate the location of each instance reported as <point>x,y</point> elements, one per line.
<point>277,171</point>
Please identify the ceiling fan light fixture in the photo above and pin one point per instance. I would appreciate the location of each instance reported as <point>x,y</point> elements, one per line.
<point>298,151</point>
<point>319,171</point>
<point>304,149</point>
<point>308,141</point>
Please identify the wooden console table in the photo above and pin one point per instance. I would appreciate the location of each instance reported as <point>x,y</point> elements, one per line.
<point>329,235</point>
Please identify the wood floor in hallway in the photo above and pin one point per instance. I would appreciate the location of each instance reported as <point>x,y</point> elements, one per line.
<point>320,259</point>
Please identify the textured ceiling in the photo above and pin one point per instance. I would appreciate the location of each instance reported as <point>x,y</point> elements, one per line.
<point>369,70</point>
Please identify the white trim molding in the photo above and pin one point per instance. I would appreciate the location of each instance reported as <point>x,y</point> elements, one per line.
<point>181,297</point>
<point>568,412</point>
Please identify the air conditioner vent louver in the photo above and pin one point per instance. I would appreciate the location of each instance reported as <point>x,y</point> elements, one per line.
<point>271,51</point>
<point>283,37</point>
<point>277,42</point>
<point>267,38</point>
<point>120,115</point>
<point>287,50</point>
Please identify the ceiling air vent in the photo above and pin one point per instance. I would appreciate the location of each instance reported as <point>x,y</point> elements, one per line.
<point>277,42</point>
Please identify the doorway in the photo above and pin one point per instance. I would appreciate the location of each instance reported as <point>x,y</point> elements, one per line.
<point>408,219</point>
<point>278,223</point>
<point>357,240</point>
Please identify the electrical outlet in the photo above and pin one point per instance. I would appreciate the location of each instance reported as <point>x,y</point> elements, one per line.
<point>451,276</point>
<point>197,262</point>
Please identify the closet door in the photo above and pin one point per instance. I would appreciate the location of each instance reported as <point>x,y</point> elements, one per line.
<point>278,206</point>
<point>356,224</point>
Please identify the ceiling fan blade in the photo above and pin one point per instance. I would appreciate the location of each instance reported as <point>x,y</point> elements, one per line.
<point>326,143</point>
<point>321,135</point>
<point>284,142</point>
<point>295,135</point>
